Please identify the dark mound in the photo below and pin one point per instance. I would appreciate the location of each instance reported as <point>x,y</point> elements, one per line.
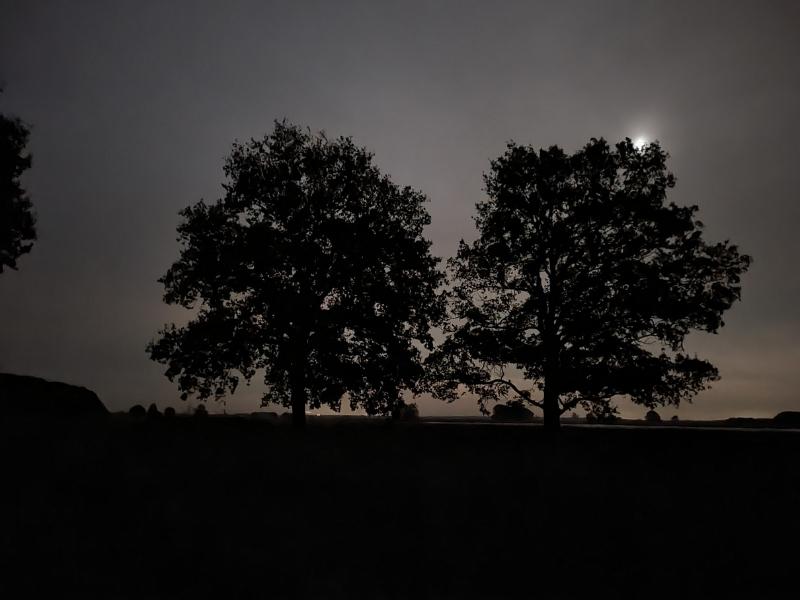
<point>513,411</point>
<point>788,417</point>
<point>24,395</point>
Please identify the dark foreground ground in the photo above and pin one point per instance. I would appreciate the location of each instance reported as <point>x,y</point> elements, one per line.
<point>241,508</point>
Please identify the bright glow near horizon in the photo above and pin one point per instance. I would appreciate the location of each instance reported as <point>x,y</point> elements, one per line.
<point>640,142</point>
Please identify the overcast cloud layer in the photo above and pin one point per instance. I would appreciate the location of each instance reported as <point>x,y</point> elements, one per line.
<point>135,105</point>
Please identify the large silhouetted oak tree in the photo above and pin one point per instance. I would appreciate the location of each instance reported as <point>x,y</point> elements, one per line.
<point>583,285</point>
<point>313,268</point>
<point>17,221</point>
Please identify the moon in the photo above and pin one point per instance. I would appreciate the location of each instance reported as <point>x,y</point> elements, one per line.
<point>640,142</point>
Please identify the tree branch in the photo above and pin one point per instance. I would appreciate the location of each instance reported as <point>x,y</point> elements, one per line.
<point>526,394</point>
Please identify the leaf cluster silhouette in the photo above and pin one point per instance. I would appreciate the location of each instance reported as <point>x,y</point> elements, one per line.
<point>17,220</point>
<point>584,283</point>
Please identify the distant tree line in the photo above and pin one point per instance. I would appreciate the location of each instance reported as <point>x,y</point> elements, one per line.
<point>314,271</point>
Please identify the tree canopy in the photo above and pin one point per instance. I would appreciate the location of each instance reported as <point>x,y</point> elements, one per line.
<point>312,268</point>
<point>17,220</point>
<point>583,285</point>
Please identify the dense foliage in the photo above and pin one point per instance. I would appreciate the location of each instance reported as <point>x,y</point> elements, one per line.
<point>583,285</point>
<point>313,268</point>
<point>17,220</point>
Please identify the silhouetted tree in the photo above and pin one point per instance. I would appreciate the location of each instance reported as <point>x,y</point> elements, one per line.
<point>138,411</point>
<point>585,283</point>
<point>169,413</point>
<point>513,411</point>
<point>313,267</point>
<point>17,220</point>
<point>652,416</point>
<point>405,412</point>
<point>201,411</point>
<point>152,412</point>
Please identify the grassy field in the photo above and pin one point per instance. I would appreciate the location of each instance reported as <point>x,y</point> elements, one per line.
<point>242,508</point>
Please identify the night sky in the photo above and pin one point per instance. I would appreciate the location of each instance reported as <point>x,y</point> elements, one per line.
<point>134,105</point>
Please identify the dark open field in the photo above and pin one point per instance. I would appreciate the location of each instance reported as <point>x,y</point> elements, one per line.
<point>241,508</point>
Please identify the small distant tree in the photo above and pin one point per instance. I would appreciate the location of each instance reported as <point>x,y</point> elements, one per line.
<point>169,413</point>
<point>405,412</point>
<point>137,411</point>
<point>513,411</point>
<point>583,285</point>
<point>17,220</point>
<point>652,417</point>
<point>313,268</point>
<point>201,411</point>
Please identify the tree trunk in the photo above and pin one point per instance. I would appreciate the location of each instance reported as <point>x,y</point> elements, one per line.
<point>298,392</point>
<point>552,411</point>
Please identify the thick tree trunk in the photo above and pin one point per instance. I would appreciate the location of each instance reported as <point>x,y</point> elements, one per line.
<point>552,411</point>
<point>298,392</point>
